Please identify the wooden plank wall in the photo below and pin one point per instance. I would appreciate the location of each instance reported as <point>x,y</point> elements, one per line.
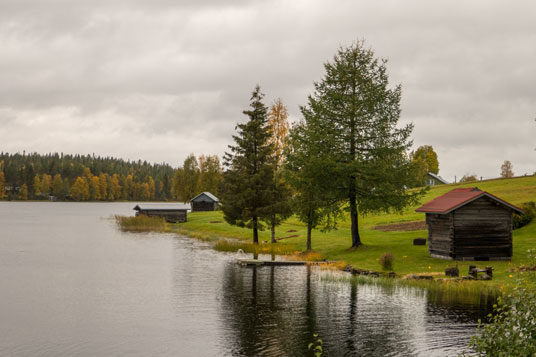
<point>483,228</point>
<point>199,206</point>
<point>178,216</point>
<point>440,234</point>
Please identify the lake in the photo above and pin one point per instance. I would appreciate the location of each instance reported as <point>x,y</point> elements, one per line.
<point>72,284</point>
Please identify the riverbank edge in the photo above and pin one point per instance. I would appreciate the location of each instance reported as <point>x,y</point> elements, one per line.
<point>452,287</point>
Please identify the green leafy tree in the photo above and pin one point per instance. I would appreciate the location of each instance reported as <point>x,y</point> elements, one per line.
<point>210,174</point>
<point>356,114</point>
<point>512,331</point>
<point>185,179</point>
<point>247,184</point>
<point>309,174</point>
<point>424,160</point>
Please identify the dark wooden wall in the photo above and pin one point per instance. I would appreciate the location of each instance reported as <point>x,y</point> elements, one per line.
<point>178,216</point>
<point>440,235</point>
<point>198,206</point>
<point>483,229</point>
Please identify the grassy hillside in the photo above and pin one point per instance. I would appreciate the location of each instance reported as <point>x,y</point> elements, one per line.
<point>408,258</point>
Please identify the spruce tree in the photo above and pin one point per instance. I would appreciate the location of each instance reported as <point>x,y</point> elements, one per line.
<point>355,115</point>
<point>247,192</point>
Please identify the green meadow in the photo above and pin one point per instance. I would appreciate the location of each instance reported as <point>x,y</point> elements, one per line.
<point>334,245</point>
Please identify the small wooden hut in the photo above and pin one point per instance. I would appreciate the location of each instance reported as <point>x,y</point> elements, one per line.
<point>205,201</point>
<point>469,224</point>
<point>174,213</point>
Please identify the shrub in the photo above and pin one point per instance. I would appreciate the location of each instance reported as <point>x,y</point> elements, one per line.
<point>387,260</point>
<point>468,178</point>
<point>512,331</point>
<point>520,220</point>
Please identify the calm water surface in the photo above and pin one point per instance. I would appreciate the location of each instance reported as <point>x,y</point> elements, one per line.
<point>72,284</point>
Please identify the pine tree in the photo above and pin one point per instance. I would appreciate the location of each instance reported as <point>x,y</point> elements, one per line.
<point>355,115</point>
<point>247,184</point>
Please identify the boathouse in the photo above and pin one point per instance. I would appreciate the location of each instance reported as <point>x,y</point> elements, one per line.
<point>173,213</point>
<point>469,224</point>
<point>205,201</point>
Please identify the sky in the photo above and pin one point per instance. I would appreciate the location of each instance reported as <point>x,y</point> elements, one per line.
<point>157,80</point>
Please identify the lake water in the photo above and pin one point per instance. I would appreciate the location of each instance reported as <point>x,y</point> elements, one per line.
<point>72,284</point>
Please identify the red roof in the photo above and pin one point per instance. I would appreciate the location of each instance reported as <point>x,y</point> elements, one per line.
<point>457,198</point>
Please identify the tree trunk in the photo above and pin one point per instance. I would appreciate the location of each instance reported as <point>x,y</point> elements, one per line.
<point>356,240</point>
<point>255,230</point>
<point>272,228</point>
<point>309,229</point>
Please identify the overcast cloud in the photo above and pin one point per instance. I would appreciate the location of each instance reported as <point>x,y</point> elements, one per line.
<point>157,80</point>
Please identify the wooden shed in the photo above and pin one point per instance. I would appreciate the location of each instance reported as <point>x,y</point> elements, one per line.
<point>205,201</point>
<point>469,224</point>
<point>174,213</point>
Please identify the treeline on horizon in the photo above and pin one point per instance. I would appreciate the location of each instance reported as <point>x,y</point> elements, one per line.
<point>62,177</point>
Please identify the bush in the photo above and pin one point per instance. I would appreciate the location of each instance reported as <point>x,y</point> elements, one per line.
<point>512,331</point>
<point>520,220</point>
<point>468,178</point>
<point>387,260</point>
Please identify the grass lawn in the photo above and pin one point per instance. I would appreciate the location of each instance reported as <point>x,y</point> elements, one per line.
<point>408,258</point>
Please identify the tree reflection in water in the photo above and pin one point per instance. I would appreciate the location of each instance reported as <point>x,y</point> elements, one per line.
<point>275,311</point>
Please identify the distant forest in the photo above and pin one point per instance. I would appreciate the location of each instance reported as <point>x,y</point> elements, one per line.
<point>94,178</point>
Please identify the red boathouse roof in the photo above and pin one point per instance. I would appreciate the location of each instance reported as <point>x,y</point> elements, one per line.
<point>457,198</point>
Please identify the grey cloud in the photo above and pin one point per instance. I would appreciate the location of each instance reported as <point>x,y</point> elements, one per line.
<point>179,74</point>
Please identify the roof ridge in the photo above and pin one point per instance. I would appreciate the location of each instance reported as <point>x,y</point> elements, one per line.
<point>458,197</point>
